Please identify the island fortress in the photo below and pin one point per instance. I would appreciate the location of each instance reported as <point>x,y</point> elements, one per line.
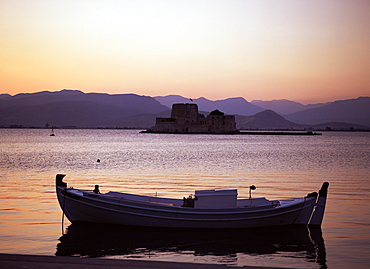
<point>186,119</point>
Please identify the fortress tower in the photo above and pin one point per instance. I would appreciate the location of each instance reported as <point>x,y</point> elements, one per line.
<point>186,119</point>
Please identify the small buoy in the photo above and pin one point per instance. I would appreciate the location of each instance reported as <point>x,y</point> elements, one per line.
<point>98,160</point>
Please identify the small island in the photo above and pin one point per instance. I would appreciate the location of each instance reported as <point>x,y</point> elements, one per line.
<point>185,119</point>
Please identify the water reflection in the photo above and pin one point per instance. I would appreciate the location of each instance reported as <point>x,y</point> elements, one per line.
<point>235,247</point>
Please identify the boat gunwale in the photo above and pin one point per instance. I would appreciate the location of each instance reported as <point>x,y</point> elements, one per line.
<point>154,207</point>
<point>200,220</point>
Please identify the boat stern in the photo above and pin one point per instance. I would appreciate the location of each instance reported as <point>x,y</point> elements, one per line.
<point>318,213</point>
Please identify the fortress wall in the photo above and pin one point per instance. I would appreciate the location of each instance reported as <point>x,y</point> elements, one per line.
<point>186,119</point>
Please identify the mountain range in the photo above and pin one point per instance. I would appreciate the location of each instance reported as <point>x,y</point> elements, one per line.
<point>233,106</point>
<point>285,107</point>
<point>72,108</point>
<point>339,114</point>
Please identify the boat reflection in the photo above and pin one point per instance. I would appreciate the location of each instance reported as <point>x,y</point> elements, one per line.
<point>220,246</point>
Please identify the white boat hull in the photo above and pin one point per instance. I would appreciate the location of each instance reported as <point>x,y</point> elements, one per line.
<point>80,206</point>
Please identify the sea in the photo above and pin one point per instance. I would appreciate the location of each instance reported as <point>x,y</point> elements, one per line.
<point>175,165</point>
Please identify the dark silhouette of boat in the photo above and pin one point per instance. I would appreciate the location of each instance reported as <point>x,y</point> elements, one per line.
<point>218,208</point>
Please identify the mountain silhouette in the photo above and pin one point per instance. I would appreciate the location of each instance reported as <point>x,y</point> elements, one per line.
<point>284,107</point>
<point>141,121</point>
<point>267,119</point>
<point>232,106</point>
<point>71,108</point>
<point>356,111</point>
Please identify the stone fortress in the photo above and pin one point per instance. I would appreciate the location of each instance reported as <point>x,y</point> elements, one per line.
<point>186,119</point>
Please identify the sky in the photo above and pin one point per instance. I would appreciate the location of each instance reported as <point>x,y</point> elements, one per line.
<point>308,51</point>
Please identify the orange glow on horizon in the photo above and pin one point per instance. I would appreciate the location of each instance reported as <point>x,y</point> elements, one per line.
<point>306,52</point>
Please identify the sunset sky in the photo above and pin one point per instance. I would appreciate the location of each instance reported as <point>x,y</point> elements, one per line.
<point>307,51</point>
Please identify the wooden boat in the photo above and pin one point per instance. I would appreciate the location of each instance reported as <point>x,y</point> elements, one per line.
<point>217,208</point>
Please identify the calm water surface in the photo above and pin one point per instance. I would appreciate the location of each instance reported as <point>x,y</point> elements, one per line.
<point>174,166</point>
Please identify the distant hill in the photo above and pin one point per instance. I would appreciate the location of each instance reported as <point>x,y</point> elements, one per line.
<point>68,108</point>
<point>4,95</point>
<point>284,107</point>
<point>343,113</point>
<point>355,111</point>
<point>119,100</point>
<point>267,119</point>
<point>171,99</point>
<point>231,106</point>
<point>143,121</point>
<point>73,108</point>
